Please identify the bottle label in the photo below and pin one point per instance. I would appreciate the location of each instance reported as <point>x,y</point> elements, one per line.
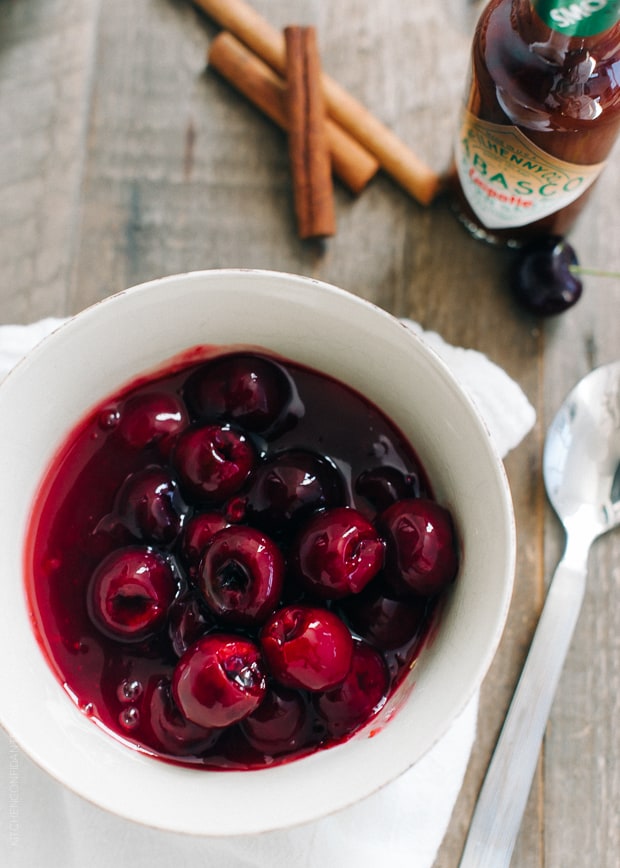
<point>508,180</point>
<point>578,17</point>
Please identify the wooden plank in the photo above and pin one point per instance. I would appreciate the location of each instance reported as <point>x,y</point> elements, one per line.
<point>44,89</point>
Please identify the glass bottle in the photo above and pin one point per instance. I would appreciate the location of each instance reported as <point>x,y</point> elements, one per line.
<point>541,115</point>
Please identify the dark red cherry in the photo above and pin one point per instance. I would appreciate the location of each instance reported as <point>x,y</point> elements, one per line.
<point>241,575</point>
<point>150,506</point>
<point>247,389</point>
<point>197,534</point>
<point>130,593</point>
<point>421,546</point>
<point>167,731</point>
<point>153,417</point>
<point>382,486</point>
<point>307,647</point>
<point>338,552</point>
<point>385,622</point>
<point>542,280</point>
<point>188,621</point>
<point>351,703</point>
<point>291,485</point>
<point>219,680</point>
<point>281,723</point>
<point>213,462</point>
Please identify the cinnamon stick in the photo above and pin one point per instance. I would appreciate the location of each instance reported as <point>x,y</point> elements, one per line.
<point>351,163</point>
<point>308,150</point>
<point>394,156</point>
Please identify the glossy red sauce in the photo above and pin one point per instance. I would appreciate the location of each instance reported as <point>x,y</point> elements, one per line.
<point>125,687</point>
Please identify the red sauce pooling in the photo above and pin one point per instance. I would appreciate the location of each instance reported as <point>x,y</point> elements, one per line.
<point>92,504</point>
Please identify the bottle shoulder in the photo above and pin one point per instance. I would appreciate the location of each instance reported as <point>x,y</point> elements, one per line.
<point>540,79</point>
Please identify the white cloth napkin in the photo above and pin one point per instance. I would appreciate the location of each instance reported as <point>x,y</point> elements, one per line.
<point>42,824</point>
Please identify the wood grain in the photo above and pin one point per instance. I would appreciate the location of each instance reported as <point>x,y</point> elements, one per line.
<point>123,159</point>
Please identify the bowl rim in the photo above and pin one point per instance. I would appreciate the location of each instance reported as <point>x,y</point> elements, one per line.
<point>255,781</point>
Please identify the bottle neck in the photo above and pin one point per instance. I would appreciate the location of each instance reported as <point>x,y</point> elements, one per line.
<point>578,18</point>
<point>567,46</point>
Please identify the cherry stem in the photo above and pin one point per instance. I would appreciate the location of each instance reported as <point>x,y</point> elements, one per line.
<point>593,272</point>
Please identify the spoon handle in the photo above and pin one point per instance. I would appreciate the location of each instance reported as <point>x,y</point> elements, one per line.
<point>503,797</point>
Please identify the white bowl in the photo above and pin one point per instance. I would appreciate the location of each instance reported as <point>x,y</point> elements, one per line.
<point>102,349</point>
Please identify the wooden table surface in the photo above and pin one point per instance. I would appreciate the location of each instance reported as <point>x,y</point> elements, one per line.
<point>122,158</point>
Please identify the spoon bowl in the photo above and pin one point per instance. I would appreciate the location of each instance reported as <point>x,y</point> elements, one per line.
<point>581,471</point>
<point>581,461</point>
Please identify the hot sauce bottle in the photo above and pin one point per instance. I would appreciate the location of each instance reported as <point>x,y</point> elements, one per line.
<point>541,115</point>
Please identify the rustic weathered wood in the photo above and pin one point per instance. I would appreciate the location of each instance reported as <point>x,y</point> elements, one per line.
<point>122,159</point>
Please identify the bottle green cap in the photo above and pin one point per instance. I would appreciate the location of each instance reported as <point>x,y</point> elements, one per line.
<point>578,17</point>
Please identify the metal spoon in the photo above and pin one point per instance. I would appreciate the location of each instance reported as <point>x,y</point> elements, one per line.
<point>581,470</point>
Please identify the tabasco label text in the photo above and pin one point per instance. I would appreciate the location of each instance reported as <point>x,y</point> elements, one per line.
<point>508,180</point>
